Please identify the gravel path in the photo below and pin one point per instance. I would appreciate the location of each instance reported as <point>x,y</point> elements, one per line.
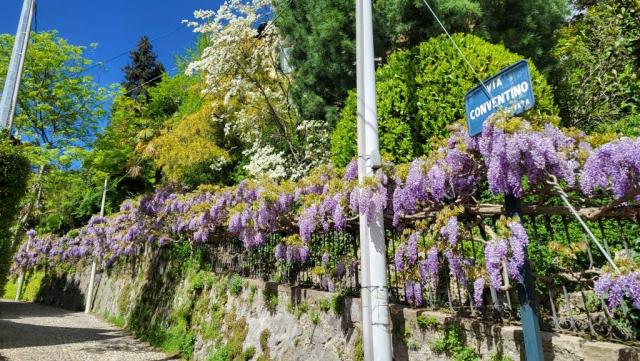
<point>34,332</point>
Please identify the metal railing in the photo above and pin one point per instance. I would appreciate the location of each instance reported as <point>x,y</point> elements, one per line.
<point>563,260</point>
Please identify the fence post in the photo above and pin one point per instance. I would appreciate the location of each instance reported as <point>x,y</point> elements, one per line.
<point>526,296</point>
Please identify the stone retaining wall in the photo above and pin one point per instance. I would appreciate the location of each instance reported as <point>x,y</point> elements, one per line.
<point>288,331</point>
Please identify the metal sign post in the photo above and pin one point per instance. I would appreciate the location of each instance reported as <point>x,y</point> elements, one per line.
<point>526,296</point>
<point>510,89</point>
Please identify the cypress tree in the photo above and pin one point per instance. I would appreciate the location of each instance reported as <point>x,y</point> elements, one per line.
<point>143,71</point>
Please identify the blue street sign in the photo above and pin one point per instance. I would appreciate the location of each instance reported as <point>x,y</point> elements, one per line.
<point>511,89</point>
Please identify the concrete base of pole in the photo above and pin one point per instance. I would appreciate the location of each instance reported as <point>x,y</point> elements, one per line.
<point>87,306</point>
<point>19,288</point>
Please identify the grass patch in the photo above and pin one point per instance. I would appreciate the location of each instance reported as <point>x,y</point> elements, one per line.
<point>30,286</point>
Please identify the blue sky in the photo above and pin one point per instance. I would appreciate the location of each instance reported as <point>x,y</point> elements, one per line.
<point>115,25</point>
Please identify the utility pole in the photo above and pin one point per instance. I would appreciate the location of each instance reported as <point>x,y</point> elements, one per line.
<point>374,269</point>
<point>94,265</point>
<point>365,294</point>
<point>16,64</point>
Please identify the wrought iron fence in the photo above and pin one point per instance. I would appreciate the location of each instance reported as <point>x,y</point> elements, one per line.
<point>562,258</point>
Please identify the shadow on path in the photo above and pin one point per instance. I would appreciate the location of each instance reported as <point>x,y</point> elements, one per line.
<point>32,328</point>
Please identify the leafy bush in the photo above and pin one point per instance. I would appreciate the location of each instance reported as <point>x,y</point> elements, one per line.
<point>235,285</point>
<point>271,301</point>
<point>452,345</point>
<point>324,305</point>
<point>314,316</point>
<point>202,280</point>
<point>252,292</point>
<point>597,79</point>
<point>421,91</point>
<point>14,173</point>
<point>425,322</point>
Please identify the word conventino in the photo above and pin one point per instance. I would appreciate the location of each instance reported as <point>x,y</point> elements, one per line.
<point>512,93</point>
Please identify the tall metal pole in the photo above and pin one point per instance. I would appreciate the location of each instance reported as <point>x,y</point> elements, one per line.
<point>87,306</point>
<point>365,294</point>
<point>16,64</point>
<point>377,286</point>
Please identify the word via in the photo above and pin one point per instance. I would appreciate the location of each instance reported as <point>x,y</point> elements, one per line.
<point>511,89</point>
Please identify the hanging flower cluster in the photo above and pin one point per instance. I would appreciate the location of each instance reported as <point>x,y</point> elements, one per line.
<point>614,288</point>
<point>614,166</point>
<point>510,154</point>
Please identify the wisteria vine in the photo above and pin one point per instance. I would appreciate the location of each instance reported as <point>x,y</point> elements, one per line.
<point>511,155</point>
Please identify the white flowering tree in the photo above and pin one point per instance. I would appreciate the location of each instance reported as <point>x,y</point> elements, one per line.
<point>240,66</point>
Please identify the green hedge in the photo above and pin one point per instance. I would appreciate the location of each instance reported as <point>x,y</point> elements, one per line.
<point>421,91</point>
<point>14,173</point>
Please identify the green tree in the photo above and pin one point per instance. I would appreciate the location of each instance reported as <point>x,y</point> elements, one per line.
<point>14,172</point>
<point>144,71</point>
<point>57,113</point>
<point>114,154</point>
<point>597,79</point>
<point>526,27</point>
<point>421,91</point>
<point>58,106</point>
<point>321,35</point>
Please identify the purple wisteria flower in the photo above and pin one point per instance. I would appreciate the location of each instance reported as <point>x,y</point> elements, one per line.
<point>614,166</point>
<point>494,254</point>
<point>478,291</point>
<point>399,257</point>
<point>351,173</point>
<point>450,231</point>
<point>412,249</point>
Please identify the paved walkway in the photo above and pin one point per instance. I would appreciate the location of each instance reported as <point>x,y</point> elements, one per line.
<point>34,332</point>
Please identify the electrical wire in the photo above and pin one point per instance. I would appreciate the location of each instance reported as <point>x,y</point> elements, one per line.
<point>488,92</point>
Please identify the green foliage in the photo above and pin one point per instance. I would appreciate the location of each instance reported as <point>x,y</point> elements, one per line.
<point>452,345</point>
<point>264,344</point>
<point>252,292</point>
<point>425,322</point>
<point>337,304</point>
<point>235,285</point>
<point>143,71</point>
<point>597,78</point>
<point>525,26</point>
<point>249,352</point>
<point>57,105</point>
<point>421,91</point>
<point>314,316</point>
<point>14,173</point>
<point>301,308</point>
<point>499,356</point>
<point>324,305</point>
<point>114,152</point>
<point>202,280</point>
<point>358,347</point>
<point>271,301</point>
<point>30,287</point>
<point>322,36</point>
<point>117,320</point>
<point>199,156</point>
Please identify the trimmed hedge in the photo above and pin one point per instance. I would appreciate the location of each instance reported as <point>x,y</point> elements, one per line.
<point>421,91</point>
<point>14,174</point>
